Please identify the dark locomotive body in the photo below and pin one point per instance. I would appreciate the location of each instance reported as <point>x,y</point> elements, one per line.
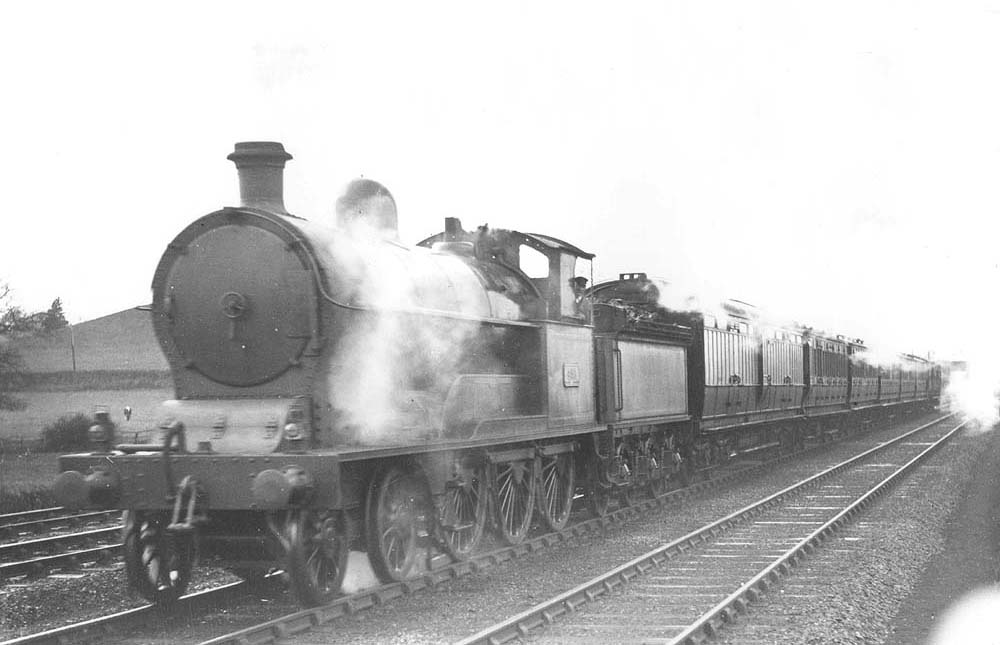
<point>336,390</point>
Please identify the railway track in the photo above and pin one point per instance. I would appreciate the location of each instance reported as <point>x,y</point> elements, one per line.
<point>685,591</point>
<point>38,513</point>
<point>68,540</point>
<point>99,630</point>
<point>18,525</point>
<point>442,572</point>
<point>40,556</point>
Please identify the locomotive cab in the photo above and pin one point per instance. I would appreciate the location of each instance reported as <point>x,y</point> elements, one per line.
<point>559,285</point>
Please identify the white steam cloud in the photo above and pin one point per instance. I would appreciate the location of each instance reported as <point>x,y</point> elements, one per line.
<point>392,368</point>
<point>973,391</point>
<point>973,620</point>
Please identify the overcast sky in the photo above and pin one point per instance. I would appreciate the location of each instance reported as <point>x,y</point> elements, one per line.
<point>834,161</point>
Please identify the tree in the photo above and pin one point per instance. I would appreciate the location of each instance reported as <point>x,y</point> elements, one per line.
<point>13,320</point>
<point>54,318</point>
<point>11,376</point>
<point>11,364</point>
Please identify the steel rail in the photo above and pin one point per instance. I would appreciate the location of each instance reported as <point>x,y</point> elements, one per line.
<point>36,526</point>
<point>98,629</point>
<point>707,625</point>
<point>23,515</point>
<point>546,612</point>
<point>56,541</point>
<point>45,563</point>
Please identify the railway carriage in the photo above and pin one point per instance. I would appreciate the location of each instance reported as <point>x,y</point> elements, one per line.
<point>864,378</point>
<point>890,384</point>
<point>827,372</point>
<point>784,375</point>
<point>338,390</point>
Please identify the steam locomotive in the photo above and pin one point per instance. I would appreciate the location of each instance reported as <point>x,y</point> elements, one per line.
<point>338,390</point>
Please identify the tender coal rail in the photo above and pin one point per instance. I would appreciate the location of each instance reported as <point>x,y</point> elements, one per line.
<point>683,592</point>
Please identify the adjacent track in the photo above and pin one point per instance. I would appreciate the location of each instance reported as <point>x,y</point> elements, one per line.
<point>99,629</point>
<point>690,587</point>
<point>41,555</point>
<point>37,514</point>
<point>21,524</point>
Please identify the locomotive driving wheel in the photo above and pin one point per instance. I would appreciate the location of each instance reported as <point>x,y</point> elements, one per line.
<point>317,550</point>
<point>396,514</point>
<point>514,488</point>
<point>555,494</point>
<point>462,512</point>
<point>157,563</point>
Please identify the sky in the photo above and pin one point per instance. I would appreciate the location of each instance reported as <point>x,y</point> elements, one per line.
<point>832,162</point>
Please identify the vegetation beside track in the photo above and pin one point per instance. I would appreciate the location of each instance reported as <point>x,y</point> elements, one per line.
<point>26,481</point>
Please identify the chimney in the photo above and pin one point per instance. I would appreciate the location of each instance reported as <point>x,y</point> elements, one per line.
<point>261,165</point>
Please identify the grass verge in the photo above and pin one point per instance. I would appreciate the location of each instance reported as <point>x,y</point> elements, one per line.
<point>26,481</point>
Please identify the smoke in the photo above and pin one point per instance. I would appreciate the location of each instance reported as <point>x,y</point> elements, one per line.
<point>974,619</point>
<point>704,299</point>
<point>392,367</point>
<point>973,391</point>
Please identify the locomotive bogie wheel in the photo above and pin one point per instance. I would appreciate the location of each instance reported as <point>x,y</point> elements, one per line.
<point>514,491</point>
<point>317,555</point>
<point>462,512</point>
<point>395,513</point>
<point>157,565</point>
<point>555,492</point>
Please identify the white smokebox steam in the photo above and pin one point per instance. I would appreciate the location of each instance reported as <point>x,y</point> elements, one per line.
<point>392,367</point>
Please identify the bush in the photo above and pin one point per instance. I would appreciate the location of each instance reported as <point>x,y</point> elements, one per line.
<point>67,433</point>
<point>18,501</point>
